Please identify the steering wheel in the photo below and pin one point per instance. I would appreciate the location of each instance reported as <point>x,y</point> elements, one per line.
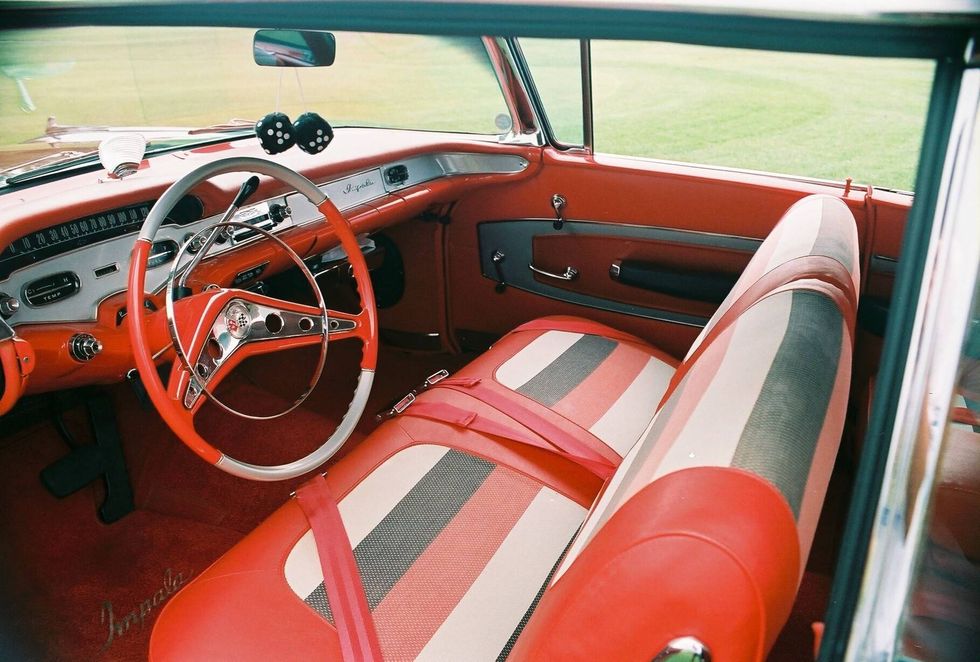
<point>216,329</point>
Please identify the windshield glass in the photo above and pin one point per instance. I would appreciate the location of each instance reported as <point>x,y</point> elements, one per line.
<point>60,88</point>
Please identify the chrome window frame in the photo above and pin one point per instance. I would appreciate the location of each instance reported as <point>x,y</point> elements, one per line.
<point>941,319</point>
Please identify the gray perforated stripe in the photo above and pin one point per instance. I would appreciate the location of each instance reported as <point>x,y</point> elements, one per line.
<point>562,375</point>
<point>782,431</point>
<point>395,544</point>
<point>831,243</point>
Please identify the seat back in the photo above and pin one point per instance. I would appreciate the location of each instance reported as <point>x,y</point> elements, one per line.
<point>705,528</point>
<point>817,225</point>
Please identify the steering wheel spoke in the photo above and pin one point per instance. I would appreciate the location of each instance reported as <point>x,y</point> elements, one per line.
<point>342,326</point>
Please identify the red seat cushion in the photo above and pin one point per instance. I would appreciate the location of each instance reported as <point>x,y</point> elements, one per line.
<point>454,534</point>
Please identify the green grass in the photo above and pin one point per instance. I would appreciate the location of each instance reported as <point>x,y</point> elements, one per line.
<point>814,115</point>
<point>820,116</point>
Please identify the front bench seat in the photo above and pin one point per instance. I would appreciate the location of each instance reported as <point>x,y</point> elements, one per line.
<point>702,531</point>
<point>584,375</point>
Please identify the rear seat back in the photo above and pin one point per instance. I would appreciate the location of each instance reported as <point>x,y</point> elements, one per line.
<point>705,527</point>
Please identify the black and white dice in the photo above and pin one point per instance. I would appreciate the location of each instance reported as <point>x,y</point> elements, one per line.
<point>313,133</point>
<point>275,132</point>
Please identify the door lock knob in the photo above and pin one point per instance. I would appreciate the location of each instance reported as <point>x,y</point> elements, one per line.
<point>558,203</point>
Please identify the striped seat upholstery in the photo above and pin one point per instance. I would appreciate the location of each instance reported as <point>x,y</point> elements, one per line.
<point>817,225</point>
<point>767,396</point>
<point>603,384</point>
<point>437,535</point>
<point>474,547</point>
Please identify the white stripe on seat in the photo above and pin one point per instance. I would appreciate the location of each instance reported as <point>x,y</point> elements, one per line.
<point>621,426</point>
<point>712,431</point>
<point>798,239</point>
<point>535,357</point>
<point>479,626</point>
<point>363,509</point>
<point>592,520</point>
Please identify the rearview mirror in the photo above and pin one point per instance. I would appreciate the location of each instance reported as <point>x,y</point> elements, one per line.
<point>294,48</point>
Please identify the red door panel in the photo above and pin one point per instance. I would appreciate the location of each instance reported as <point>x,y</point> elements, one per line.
<point>623,192</point>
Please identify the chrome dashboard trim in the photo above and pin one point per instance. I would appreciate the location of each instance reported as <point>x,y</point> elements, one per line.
<point>83,306</point>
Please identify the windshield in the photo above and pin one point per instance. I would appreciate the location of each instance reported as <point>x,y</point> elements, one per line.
<point>60,89</point>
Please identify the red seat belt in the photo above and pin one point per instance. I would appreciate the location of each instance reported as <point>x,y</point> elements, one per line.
<point>603,464</point>
<point>341,577</point>
<point>451,415</point>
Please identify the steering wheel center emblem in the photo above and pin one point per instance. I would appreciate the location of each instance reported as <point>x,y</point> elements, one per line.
<point>237,320</point>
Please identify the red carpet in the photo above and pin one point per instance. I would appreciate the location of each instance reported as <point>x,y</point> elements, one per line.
<point>61,570</point>
<point>65,570</point>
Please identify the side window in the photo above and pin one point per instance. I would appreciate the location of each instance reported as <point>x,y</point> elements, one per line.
<point>821,116</point>
<point>556,67</point>
<point>940,620</point>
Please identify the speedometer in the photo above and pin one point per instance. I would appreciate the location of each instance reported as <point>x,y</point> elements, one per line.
<point>64,237</point>
<point>70,235</point>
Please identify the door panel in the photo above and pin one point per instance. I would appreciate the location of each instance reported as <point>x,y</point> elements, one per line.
<point>680,219</point>
<point>589,251</point>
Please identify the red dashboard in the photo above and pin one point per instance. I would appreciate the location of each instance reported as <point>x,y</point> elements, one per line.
<point>451,168</point>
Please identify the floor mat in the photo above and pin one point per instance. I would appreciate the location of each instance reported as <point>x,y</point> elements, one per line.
<point>74,588</point>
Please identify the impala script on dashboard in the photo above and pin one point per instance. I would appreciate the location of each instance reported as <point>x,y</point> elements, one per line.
<point>355,187</point>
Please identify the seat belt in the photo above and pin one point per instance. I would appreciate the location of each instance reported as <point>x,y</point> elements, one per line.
<point>341,577</point>
<point>562,442</point>
<point>468,420</point>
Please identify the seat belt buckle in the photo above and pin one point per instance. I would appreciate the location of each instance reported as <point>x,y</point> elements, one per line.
<point>396,408</point>
<point>435,378</point>
<point>406,402</point>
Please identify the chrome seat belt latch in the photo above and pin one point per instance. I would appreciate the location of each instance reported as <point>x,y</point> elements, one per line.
<point>396,408</point>
<point>406,402</point>
<point>435,378</point>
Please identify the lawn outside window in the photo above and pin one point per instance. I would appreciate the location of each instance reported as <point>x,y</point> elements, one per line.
<point>819,116</point>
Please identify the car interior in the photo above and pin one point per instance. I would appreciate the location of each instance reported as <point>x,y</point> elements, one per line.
<point>567,405</point>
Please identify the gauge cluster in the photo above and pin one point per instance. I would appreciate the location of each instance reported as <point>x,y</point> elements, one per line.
<point>69,236</point>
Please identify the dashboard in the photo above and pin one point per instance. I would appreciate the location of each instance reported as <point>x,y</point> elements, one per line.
<point>64,271</point>
<point>65,245</point>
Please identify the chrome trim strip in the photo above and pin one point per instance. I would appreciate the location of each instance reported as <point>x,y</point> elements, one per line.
<point>883,264</point>
<point>84,306</point>
<point>588,132</point>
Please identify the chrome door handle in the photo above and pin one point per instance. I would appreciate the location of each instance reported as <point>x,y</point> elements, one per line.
<point>570,273</point>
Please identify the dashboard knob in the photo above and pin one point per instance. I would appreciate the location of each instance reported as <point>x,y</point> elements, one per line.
<point>8,305</point>
<point>278,213</point>
<point>84,346</point>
